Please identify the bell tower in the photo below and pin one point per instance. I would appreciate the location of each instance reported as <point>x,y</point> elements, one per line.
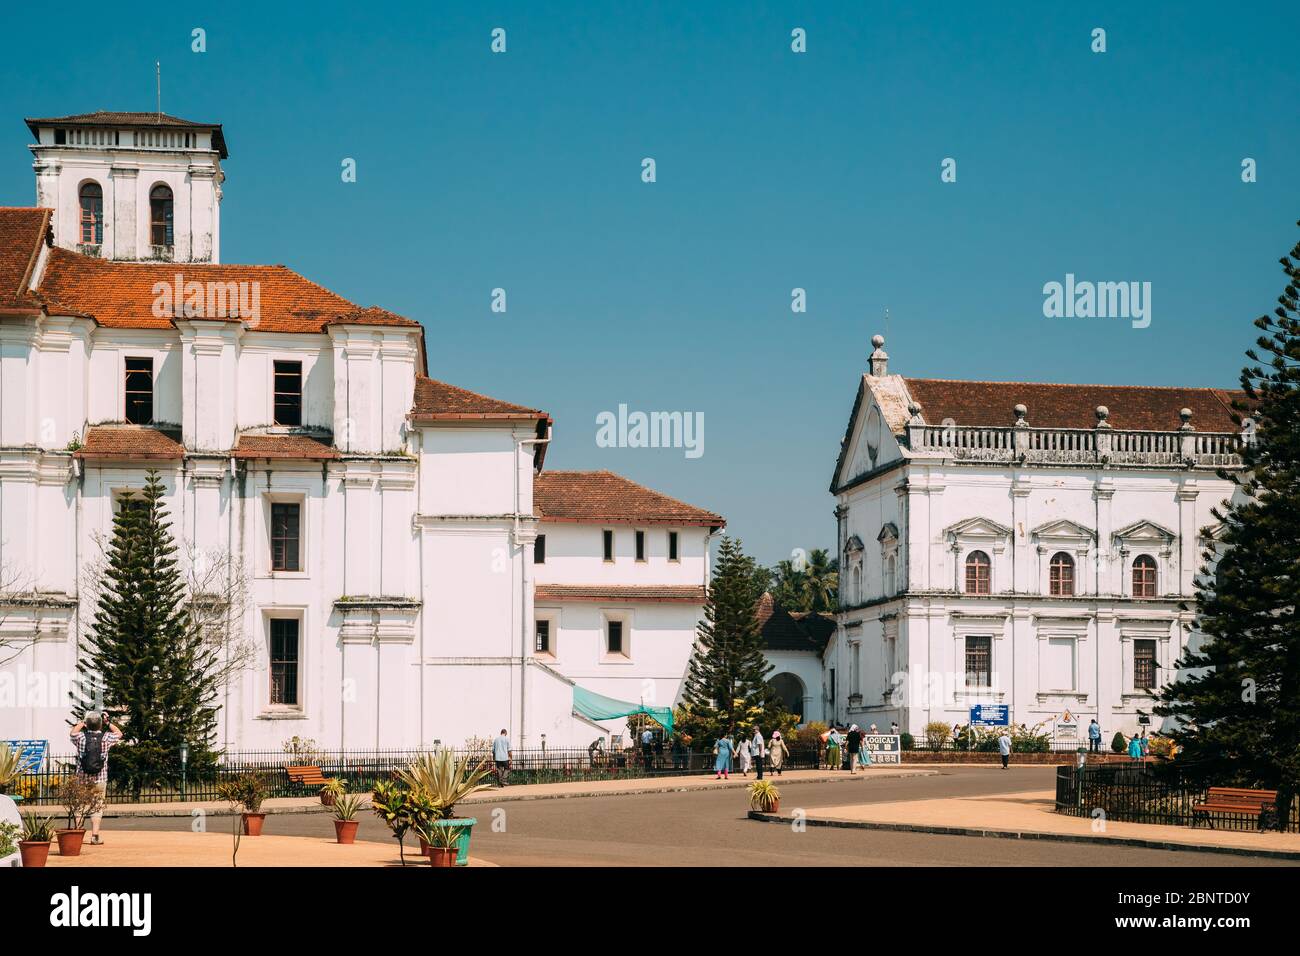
<point>131,186</point>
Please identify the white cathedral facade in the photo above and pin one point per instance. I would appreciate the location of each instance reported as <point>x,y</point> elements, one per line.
<point>1020,544</point>
<point>409,570</point>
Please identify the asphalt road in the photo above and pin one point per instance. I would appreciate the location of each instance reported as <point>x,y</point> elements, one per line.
<point>710,828</point>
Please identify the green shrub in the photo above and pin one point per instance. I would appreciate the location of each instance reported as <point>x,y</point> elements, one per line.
<point>936,734</point>
<point>1118,744</point>
<point>906,742</point>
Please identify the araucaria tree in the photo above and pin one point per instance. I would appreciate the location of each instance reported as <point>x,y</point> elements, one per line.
<point>726,688</point>
<point>145,658</point>
<point>1238,712</point>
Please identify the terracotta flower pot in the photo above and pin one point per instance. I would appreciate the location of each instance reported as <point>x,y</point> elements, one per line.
<point>346,830</point>
<point>424,847</point>
<point>253,823</point>
<point>34,852</point>
<point>440,856</point>
<point>70,842</point>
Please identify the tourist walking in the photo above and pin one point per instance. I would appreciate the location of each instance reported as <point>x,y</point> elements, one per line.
<point>759,749</point>
<point>853,743</point>
<point>93,737</point>
<point>722,751</point>
<point>1094,736</point>
<point>1004,748</point>
<point>833,749</point>
<point>745,755</point>
<point>777,751</point>
<point>1134,748</point>
<point>893,727</point>
<point>647,748</point>
<point>501,754</point>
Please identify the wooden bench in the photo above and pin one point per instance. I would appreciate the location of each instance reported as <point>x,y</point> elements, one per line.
<point>307,776</point>
<point>1257,803</point>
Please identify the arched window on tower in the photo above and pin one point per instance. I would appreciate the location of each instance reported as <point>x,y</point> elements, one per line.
<point>160,216</point>
<point>92,214</point>
<point>978,576</point>
<point>1144,576</point>
<point>1061,575</point>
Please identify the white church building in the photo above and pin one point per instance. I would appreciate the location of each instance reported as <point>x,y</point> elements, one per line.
<point>1019,544</point>
<point>412,572</point>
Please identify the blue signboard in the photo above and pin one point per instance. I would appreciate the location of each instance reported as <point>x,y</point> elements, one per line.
<point>31,753</point>
<point>990,715</point>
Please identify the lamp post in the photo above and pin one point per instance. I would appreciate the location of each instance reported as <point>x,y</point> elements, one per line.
<point>185,759</point>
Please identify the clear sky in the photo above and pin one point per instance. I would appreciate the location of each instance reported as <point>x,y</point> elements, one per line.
<point>775,170</point>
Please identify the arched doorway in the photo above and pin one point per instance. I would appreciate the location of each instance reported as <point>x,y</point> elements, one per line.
<point>791,691</point>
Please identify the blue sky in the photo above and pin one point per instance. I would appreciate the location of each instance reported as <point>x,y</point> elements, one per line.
<point>775,170</point>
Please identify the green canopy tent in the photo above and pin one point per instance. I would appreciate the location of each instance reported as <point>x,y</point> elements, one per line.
<point>595,706</point>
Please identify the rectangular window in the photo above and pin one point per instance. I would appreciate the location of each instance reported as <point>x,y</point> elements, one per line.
<point>1144,665</point>
<point>609,545</point>
<point>542,642</point>
<point>139,391</point>
<point>640,545</point>
<point>672,546</point>
<point>284,661</point>
<point>539,550</point>
<point>614,639</point>
<point>288,393</point>
<point>285,537</point>
<point>979,662</point>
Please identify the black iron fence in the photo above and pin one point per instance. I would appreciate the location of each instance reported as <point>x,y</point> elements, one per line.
<point>359,771</point>
<point>1149,793</point>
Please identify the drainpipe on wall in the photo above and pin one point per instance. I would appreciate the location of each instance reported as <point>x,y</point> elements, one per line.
<point>523,598</point>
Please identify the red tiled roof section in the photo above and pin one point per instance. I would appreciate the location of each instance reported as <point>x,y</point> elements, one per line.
<point>602,496</point>
<point>655,594</point>
<point>1146,408</point>
<point>292,447</point>
<point>129,442</point>
<point>373,315</point>
<point>22,232</point>
<point>438,401</point>
<point>121,294</point>
<point>779,629</point>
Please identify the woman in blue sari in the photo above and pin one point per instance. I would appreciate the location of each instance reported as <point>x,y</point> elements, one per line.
<point>722,764</point>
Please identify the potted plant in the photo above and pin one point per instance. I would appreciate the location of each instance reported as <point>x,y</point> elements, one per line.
<point>81,798</point>
<point>38,833</point>
<point>764,797</point>
<point>443,781</point>
<point>391,803</point>
<point>346,806</point>
<point>332,790</point>
<point>444,842</point>
<point>247,791</point>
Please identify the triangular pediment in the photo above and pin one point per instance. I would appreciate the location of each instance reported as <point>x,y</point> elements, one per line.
<point>869,441</point>
<point>1064,528</point>
<point>1145,531</point>
<point>978,527</point>
<point>888,533</point>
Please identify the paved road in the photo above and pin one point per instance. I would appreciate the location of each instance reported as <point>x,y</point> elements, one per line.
<point>709,828</point>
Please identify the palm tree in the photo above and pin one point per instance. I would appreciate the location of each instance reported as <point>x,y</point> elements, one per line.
<point>822,581</point>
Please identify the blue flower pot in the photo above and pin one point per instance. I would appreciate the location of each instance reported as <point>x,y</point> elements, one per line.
<point>462,842</point>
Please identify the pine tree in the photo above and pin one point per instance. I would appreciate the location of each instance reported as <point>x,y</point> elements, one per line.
<point>726,689</point>
<point>1238,712</point>
<point>145,659</point>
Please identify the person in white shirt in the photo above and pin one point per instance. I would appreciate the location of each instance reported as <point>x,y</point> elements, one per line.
<point>760,751</point>
<point>1004,748</point>
<point>647,747</point>
<point>501,754</point>
<point>745,756</point>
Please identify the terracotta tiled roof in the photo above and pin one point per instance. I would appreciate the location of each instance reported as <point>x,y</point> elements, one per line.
<point>22,233</point>
<point>819,626</point>
<point>779,628</point>
<point>130,120</point>
<point>294,447</point>
<point>438,401</point>
<point>121,294</point>
<point>656,594</point>
<point>602,496</point>
<point>373,315</point>
<point>1144,407</point>
<point>129,442</point>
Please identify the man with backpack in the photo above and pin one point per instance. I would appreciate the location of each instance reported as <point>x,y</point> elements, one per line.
<point>93,737</point>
